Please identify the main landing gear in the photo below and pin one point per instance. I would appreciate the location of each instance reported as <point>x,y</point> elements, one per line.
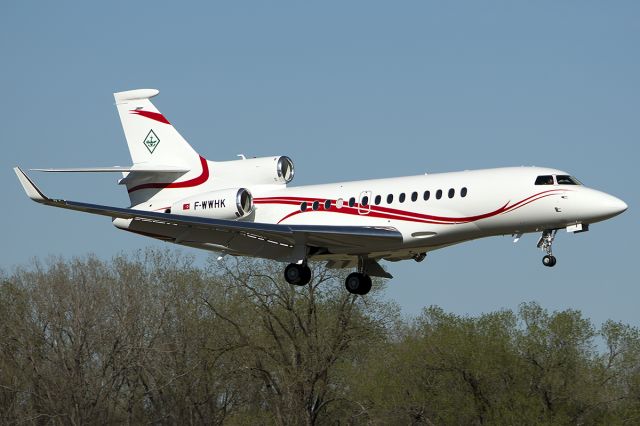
<point>545,242</point>
<point>297,274</point>
<point>356,283</point>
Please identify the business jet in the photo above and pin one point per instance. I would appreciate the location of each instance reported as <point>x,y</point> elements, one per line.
<point>245,208</point>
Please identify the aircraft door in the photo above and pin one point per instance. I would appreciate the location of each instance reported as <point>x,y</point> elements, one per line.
<point>364,206</point>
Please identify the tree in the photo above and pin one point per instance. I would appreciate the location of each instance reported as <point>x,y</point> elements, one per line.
<point>291,342</point>
<point>152,338</point>
<point>535,367</point>
<point>156,338</point>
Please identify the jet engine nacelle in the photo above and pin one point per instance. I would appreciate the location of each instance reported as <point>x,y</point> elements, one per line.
<point>263,170</point>
<point>232,203</point>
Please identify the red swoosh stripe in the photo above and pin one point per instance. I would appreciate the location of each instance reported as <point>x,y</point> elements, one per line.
<point>402,215</point>
<point>377,211</point>
<point>150,114</point>
<point>199,180</point>
<point>390,213</point>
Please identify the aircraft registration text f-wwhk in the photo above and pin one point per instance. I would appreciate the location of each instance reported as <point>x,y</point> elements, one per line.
<point>245,208</point>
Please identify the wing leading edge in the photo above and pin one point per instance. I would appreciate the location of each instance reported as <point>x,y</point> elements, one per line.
<point>360,238</point>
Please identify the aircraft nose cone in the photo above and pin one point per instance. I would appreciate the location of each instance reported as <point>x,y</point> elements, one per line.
<point>613,206</point>
<point>620,206</point>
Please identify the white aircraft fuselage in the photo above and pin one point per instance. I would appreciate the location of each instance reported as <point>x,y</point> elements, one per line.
<point>430,211</point>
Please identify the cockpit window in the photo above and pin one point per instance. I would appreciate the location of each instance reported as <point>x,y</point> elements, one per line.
<point>567,180</point>
<point>544,180</point>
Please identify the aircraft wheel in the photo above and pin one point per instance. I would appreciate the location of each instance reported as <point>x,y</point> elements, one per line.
<point>297,274</point>
<point>357,283</point>
<point>549,260</point>
<point>366,285</point>
<point>306,275</point>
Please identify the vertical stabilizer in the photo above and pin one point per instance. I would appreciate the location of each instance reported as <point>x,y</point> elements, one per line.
<point>153,141</point>
<point>150,136</point>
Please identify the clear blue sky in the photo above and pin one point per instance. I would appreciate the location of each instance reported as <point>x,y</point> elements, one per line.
<point>349,90</point>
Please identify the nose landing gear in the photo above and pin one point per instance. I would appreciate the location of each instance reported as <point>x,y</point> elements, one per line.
<point>545,243</point>
<point>549,260</point>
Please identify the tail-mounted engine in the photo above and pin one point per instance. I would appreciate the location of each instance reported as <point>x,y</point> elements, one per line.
<point>232,203</point>
<point>255,171</point>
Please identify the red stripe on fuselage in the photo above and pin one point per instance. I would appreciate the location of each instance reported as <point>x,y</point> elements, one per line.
<point>390,213</point>
<point>150,114</point>
<point>199,180</point>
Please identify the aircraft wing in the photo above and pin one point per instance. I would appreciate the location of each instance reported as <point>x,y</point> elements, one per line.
<point>360,238</point>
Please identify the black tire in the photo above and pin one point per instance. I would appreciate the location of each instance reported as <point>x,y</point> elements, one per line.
<point>297,274</point>
<point>293,273</point>
<point>366,285</point>
<point>306,275</point>
<point>353,283</point>
<point>357,283</point>
<point>549,260</point>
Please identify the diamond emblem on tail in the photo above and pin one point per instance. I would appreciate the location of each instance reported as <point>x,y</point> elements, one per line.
<point>151,141</point>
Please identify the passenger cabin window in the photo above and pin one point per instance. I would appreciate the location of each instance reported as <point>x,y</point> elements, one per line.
<point>327,204</point>
<point>352,202</point>
<point>544,180</point>
<point>303,206</point>
<point>452,192</point>
<point>426,195</point>
<point>389,198</point>
<point>365,201</point>
<point>414,196</point>
<point>463,192</point>
<point>567,180</point>
<point>378,199</point>
<point>439,194</point>
<point>401,197</point>
<point>315,205</point>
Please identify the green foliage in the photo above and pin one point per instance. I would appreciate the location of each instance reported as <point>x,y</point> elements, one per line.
<point>152,338</point>
<point>535,367</point>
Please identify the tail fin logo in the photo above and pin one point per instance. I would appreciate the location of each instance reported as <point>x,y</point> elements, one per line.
<point>151,141</point>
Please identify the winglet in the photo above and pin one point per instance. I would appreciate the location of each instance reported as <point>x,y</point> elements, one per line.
<point>29,187</point>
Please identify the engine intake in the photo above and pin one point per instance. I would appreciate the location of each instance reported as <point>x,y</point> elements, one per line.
<point>285,169</point>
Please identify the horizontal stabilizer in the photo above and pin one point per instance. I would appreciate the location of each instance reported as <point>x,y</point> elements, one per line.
<point>140,168</point>
<point>134,95</point>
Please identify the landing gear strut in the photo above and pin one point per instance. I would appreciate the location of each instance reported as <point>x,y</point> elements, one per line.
<point>297,274</point>
<point>545,242</point>
<point>358,282</point>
